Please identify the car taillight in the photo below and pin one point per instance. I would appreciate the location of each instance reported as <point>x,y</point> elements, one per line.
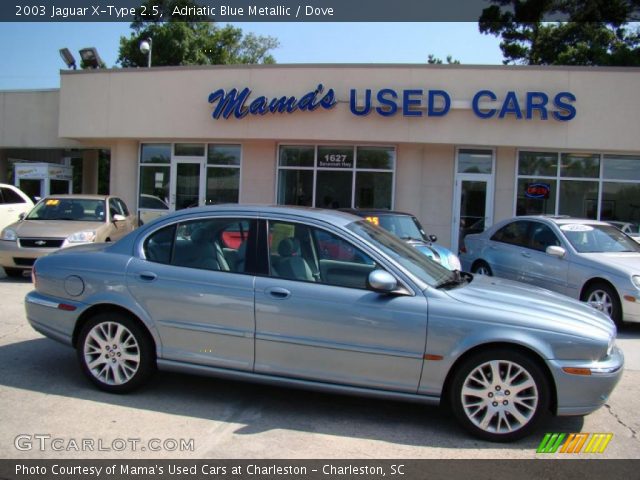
<point>34,277</point>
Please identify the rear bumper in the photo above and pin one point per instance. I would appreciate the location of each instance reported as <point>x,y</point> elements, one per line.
<point>583,394</point>
<point>47,317</point>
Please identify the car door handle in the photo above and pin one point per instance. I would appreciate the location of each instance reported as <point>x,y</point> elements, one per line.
<point>148,276</point>
<point>277,292</point>
<point>525,254</point>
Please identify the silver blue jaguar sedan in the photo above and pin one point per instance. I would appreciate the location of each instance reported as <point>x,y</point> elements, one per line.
<point>253,293</point>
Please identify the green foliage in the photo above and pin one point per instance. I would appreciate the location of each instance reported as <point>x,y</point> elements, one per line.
<point>593,32</point>
<point>191,40</point>
<point>433,60</point>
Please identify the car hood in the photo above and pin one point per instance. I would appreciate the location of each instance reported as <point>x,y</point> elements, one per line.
<point>626,261</point>
<point>52,228</point>
<point>535,307</point>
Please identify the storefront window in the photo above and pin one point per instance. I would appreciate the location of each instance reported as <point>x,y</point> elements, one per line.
<point>222,185</point>
<point>155,153</point>
<point>536,196</point>
<point>339,176</point>
<point>202,173</point>
<point>579,165</point>
<point>538,163</point>
<point>576,185</point>
<point>621,167</point>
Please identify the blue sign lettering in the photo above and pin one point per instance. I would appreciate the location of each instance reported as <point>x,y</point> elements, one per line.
<point>235,103</point>
<point>485,103</point>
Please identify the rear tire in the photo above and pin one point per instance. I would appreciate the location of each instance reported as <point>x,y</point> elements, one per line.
<point>115,353</point>
<point>604,295</point>
<point>482,268</point>
<point>499,395</point>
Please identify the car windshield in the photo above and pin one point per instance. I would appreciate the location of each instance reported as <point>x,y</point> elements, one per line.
<point>587,238</point>
<point>404,254</point>
<point>73,209</point>
<point>403,226</point>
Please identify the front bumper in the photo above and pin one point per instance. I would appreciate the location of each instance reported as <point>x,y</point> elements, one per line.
<point>14,256</point>
<point>583,394</point>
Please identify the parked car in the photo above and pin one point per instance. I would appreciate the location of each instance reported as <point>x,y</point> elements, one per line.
<point>151,207</point>
<point>408,228</point>
<point>631,229</point>
<point>389,323</point>
<point>60,221</point>
<point>584,259</point>
<point>13,203</point>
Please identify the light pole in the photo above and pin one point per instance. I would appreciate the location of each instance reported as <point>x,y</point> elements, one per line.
<point>146,47</point>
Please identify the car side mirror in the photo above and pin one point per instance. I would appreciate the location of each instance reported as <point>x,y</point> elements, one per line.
<point>433,238</point>
<point>118,218</point>
<point>21,216</point>
<point>382,282</point>
<point>556,251</point>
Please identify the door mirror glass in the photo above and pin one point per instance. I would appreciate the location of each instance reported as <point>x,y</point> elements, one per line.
<point>556,251</point>
<point>382,282</point>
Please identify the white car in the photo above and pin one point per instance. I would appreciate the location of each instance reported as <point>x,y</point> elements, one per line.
<point>13,202</point>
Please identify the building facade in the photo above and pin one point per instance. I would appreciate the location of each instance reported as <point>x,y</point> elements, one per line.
<point>458,146</point>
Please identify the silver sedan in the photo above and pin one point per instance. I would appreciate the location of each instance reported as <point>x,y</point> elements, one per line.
<point>584,259</point>
<point>323,300</point>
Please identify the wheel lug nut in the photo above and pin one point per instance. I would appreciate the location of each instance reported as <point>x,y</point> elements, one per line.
<point>497,388</point>
<point>119,354</point>
<point>495,404</point>
<point>113,360</point>
<point>107,348</point>
<point>505,403</point>
<point>115,346</point>
<point>507,392</point>
<point>490,395</point>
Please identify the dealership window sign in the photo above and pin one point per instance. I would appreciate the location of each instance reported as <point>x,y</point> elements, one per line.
<point>485,104</point>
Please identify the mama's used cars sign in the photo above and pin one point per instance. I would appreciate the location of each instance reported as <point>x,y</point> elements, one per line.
<point>388,102</point>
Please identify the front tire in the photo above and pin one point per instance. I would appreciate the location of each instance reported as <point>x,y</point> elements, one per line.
<point>115,353</point>
<point>605,298</point>
<point>482,268</point>
<point>499,395</point>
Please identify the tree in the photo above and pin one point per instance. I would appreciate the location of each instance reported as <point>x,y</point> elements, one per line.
<point>433,60</point>
<point>191,40</point>
<point>593,32</point>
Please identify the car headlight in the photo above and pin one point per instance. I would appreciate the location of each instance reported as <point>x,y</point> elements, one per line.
<point>635,279</point>
<point>86,236</point>
<point>9,234</point>
<point>612,343</point>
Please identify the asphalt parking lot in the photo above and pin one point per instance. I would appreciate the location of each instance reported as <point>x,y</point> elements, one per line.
<point>49,410</point>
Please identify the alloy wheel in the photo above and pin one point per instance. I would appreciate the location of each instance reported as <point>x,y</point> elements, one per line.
<point>111,353</point>
<point>499,397</point>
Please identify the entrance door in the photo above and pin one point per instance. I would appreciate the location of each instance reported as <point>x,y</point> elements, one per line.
<point>187,184</point>
<point>473,194</point>
<point>473,208</point>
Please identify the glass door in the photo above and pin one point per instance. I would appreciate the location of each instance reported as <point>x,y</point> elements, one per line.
<point>187,185</point>
<point>473,208</point>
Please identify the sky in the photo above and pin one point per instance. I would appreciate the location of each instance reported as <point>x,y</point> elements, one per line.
<point>29,57</point>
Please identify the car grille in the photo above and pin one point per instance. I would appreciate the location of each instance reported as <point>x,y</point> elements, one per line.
<point>24,262</point>
<point>40,242</point>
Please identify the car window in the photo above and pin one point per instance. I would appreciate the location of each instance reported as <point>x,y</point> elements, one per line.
<point>114,207</point>
<point>594,238</point>
<point>309,254</point>
<point>148,201</point>
<point>542,237</point>
<point>514,233</point>
<point>9,196</point>
<point>123,207</point>
<point>73,209</point>
<point>218,244</point>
